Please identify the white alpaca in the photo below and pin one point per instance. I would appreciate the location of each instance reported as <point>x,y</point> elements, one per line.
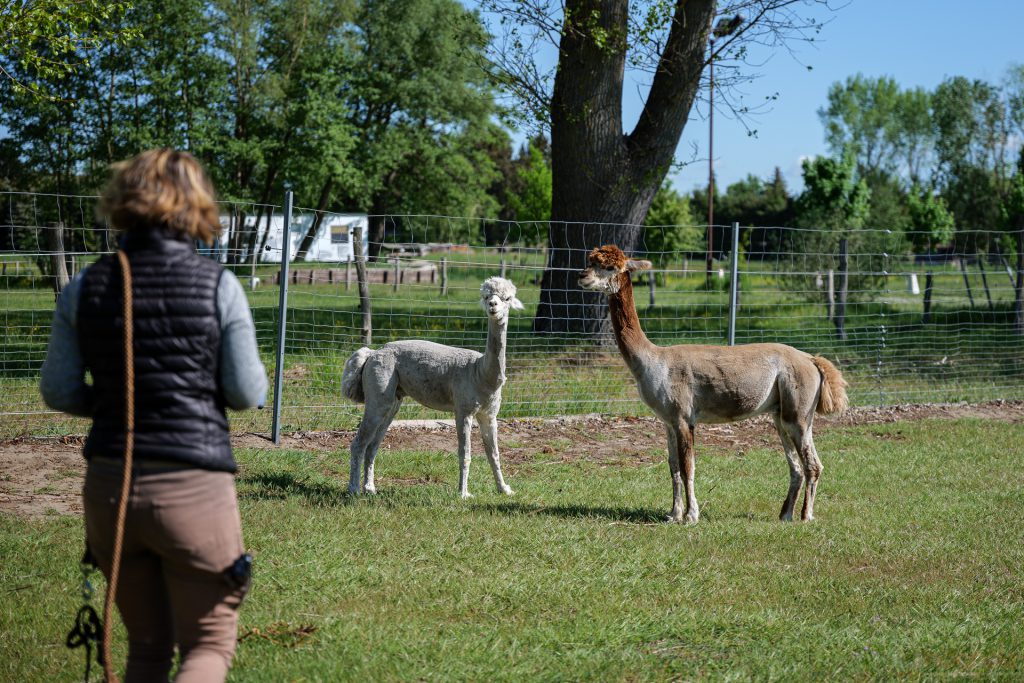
<point>456,380</point>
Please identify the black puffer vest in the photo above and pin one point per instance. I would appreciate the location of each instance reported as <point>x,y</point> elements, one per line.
<point>179,405</point>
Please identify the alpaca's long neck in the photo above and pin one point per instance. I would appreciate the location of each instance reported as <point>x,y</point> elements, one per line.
<point>492,364</point>
<point>633,343</point>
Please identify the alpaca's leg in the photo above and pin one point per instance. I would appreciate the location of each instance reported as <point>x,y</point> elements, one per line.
<point>464,427</point>
<point>814,469</point>
<point>689,457</point>
<point>367,428</point>
<point>675,438</point>
<point>796,470</point>
<point>489,433</point>
<point>804,441</point>
<point>370,485</point>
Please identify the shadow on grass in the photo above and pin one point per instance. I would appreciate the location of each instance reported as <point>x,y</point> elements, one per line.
<point>281,485</point>
<point>615,514</point>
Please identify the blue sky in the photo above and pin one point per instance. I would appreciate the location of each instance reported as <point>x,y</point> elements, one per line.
<point>917,42</point>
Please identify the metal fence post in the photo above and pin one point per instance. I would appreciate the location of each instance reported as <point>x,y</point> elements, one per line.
<point>282,316</point>
<point>734,284</point>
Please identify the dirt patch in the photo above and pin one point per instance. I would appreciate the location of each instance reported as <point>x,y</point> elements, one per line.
<point>43,476</point>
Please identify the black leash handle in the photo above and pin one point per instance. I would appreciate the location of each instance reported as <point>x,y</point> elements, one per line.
<point>88,633</point>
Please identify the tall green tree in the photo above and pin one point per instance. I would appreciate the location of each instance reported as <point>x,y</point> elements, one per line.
<point>888,129</point>
<point>420,107</point>
<point>862,117</point>
<point>603,174</point>
<point>972,147</point>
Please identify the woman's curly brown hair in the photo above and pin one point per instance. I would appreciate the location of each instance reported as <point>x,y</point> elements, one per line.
<point>161,188</point>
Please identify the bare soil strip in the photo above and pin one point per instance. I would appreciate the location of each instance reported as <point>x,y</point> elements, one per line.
<point>43,476</point>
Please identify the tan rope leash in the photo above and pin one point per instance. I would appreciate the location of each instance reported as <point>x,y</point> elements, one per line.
<point>126,478</point>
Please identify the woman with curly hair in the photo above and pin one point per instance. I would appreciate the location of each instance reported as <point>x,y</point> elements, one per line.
<point>183,568</point>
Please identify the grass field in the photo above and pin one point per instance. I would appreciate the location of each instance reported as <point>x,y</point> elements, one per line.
<point>965,353</point>
<point>911,571</point>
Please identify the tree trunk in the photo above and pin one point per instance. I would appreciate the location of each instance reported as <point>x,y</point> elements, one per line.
<point>603,181</point>
<point>377,222</point>
<point>321,206</point>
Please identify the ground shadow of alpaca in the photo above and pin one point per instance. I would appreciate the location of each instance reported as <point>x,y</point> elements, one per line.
<point>625,515</point>
<point>282,485</point>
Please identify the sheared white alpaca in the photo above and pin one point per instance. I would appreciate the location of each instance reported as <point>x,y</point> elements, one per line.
<point>687,384</point>
<point>462,381</point>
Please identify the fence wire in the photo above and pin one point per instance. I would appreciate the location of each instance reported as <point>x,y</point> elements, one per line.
<point>424,281</point>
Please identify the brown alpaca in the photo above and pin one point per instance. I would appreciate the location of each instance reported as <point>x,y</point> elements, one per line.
<point>687,384</point>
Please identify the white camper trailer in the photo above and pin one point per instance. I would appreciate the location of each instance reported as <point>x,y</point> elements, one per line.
<point>332,242</point>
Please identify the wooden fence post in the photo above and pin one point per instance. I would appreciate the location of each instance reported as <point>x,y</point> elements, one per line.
<point>967,283</point>
<point>650,285</point>
<point>984,281</point>
<point>55,244</point>
<point>398,273</point>
<point>364,290</point>
<point>444,276</point>
<point>926,318</point>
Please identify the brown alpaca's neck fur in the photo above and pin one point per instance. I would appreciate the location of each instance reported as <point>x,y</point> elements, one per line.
<point>630,336</point>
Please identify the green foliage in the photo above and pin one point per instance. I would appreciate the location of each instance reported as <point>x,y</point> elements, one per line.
<point>836,205</point>
<point>532,203</point>
<point>670,227</point>
<point>888,203</point>
<point>862,118</point>
<point>931,222</point>
<point>46,41</point>
<point>380,106</point>
<point>834,197</point>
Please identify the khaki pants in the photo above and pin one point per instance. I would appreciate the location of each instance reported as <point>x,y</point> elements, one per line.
<point>182,531</point>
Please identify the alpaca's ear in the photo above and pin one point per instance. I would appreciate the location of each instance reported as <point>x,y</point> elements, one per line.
<point>638,264</point>
<point>516,304</point>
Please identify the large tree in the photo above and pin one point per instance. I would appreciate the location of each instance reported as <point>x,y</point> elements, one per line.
<point>604,177</point>
<point>419,107</point>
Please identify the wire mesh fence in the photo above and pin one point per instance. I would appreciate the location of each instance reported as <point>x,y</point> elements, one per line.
<point>904,327</point>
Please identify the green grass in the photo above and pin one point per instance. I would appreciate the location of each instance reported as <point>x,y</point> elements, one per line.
<point>912,569</point>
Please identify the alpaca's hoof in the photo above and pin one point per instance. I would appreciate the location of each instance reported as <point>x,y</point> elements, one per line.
<point>370,489</point>
<point>692,518</point>
<point>674,518</point>
<point>507,490</point>
<point>786,517</point>
<point>466,495</point>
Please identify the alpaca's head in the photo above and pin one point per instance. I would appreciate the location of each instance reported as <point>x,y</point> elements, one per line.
<point>498,296</point>
<point>607,269</point>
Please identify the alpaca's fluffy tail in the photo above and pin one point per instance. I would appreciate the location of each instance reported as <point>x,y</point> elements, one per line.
<point>352,377</point>
<point>833,388</point>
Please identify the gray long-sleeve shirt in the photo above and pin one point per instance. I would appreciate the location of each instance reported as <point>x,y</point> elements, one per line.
<point>242,376</point>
